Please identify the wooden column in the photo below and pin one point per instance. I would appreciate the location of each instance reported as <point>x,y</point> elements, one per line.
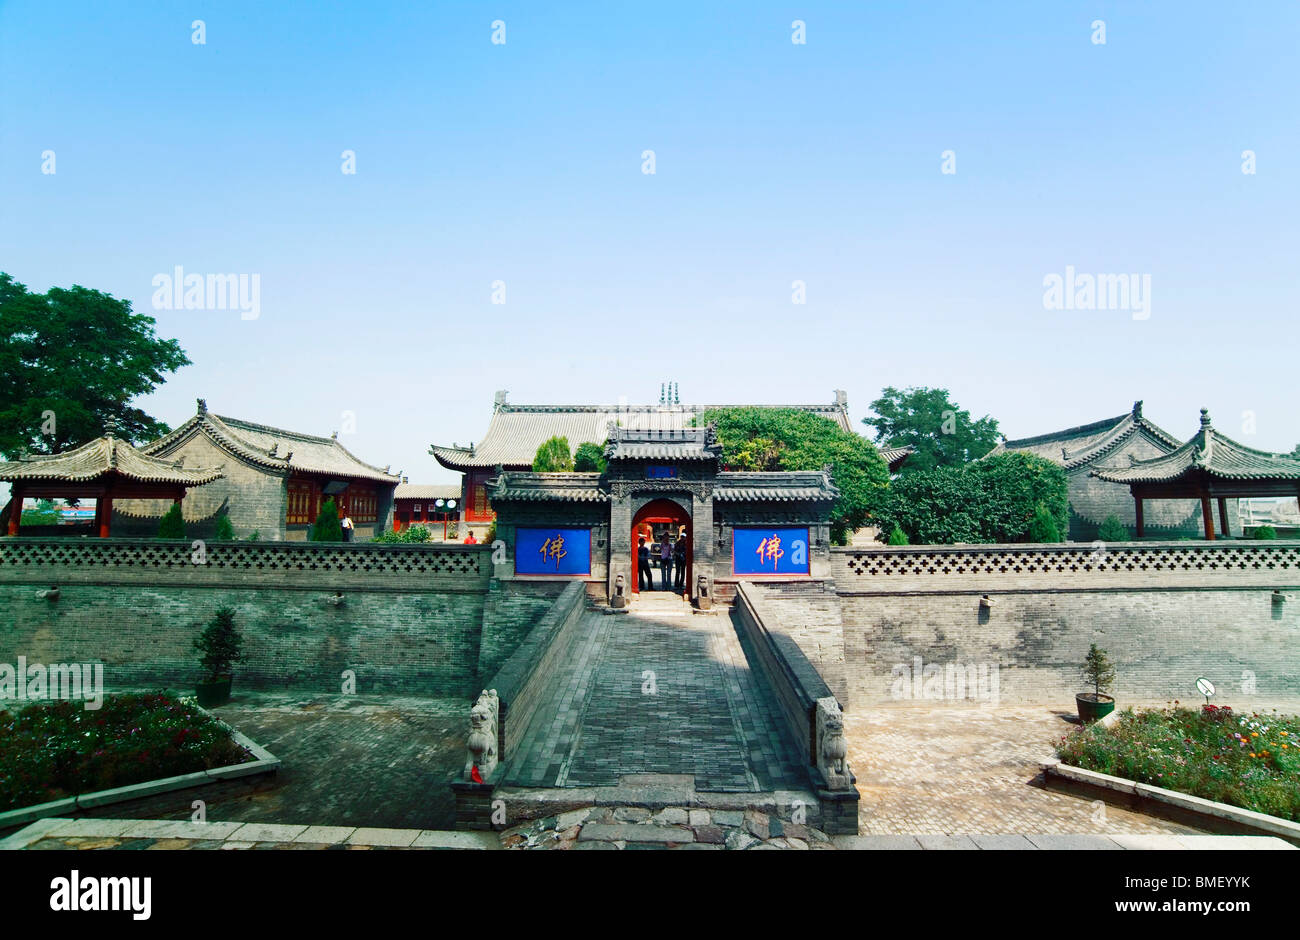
<point>16,510</point>
<point>1208,515</point>
<point>1137,505</point>
<point>1223,517</point>
<point>105,511</point>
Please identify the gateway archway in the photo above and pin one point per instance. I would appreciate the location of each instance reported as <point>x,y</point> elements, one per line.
<point>656,520</point>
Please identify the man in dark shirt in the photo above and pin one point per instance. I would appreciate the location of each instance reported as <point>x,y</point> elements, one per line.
<point>645,578</point>
<point>679,561</point>
<point>666,562</point>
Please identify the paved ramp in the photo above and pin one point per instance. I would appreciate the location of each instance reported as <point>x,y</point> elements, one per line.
<point>659,690</point>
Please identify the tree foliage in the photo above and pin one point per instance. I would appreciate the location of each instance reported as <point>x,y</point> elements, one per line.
<point>225,531</point>
<point>1265,532</point>
<point>172,523</point>
<point>589,458</point>
<point>1098,670</point>
<point>793,439</point>
<point>990,500</point>
<point>72,360</point>
<point>221,644</point>
<point>943,434</point>
<point>327,527</point>
<point>1042,527</point>
<point>898,536</point>
<point>553,456</point>
<point>1112,530</point>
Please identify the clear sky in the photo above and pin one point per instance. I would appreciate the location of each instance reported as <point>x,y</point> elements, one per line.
<point>775,162</point>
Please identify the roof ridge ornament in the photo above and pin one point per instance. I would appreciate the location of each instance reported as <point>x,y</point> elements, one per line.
<point>1205,419</point>
<point>203,405</point>
<point>1137,410</point>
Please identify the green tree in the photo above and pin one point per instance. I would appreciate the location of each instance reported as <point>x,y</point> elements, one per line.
<point>990,500</point>
<point>942,433</point>
<point>172,523</point>
<point>70,362</point>
<point>793,439</point>
<point>221,644</point>
<point>327,527</point>
<point>225,531</point>
<point>1112,530</point>
<point>589,458</point>
<point>1098,671</point>
<point>1042,527</point>
<point>898,536</point>
<point>1265,532</point>
<point>553,456</point>
<point>43,514</point>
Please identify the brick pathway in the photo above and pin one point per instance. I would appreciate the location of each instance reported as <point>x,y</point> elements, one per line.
<point>963,770</point>
<point>710,716</point>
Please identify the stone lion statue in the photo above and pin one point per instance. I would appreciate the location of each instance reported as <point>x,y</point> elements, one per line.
<point>482,741</point>
<point>832,747</point>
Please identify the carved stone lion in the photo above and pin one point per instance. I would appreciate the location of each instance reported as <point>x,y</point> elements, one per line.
<point>482,741</point>
<point>832,748</point>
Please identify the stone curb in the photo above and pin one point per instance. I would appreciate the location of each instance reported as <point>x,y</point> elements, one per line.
<point>264,762</point>
<point>1260,822</point>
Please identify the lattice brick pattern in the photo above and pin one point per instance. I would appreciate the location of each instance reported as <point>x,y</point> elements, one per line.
<point>89,554</point>
<point>1049,561</point>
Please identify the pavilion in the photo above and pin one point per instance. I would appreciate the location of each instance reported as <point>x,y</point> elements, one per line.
<point>103,470</point>
<point>1209,466</point>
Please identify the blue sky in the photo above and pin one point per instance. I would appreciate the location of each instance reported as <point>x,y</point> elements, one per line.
<point>775,163</point>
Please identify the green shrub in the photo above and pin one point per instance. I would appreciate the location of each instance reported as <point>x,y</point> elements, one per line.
<point>327,527</point>
<point>1098,670</point>
<point>553,456</point>
<point>1042,528</point>
<point>255,536</point>
<point>172,524</point>
<point>1112,530</point>
<point>221,644</point>
<point>225,531</point>
<point>589,458</point>
<point>1264,532</point>
<point>415,533</point>
<point>898,536</point>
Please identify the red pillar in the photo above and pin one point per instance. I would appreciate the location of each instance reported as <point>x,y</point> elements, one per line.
<point>16,510</point>
<point>105,505</point>
<point>1209,516</point>
<point>1141,528</point>
<point>1223,517</point>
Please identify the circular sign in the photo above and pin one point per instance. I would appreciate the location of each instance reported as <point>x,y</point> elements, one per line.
<point>451,504</point>
<point>1205,686</point>
<point>439,502</point>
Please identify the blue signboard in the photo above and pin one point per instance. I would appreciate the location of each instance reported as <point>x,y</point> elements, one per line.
<point>660,472</point>
<point>771,551</point>
<point>553,551</point>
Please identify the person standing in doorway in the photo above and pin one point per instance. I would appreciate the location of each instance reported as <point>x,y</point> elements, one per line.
<point>645,578</point>
<point>346,524</point>
<point>666,561</point>
<point>679,561</point>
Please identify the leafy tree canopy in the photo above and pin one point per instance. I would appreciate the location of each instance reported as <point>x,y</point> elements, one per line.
<point>589,458</point>
<point>327,527</point>
<point>1112,530</point>
<point>553,456</point>
<point>942,433</point>
<point>82,356</point>
<point>172,523</point>
<point>990,500</point>
<point>793,439</point>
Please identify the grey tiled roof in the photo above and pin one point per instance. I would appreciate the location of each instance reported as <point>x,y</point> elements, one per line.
<point>894,456</point>
<point>426,491</point>
<point>1211,452</point>
<point>526,486</point>
<point>664,444</point>
<point>779,486</point>
<point>101,457</point>
<point>272,448</point>
<point>1075,447</point>
<point>516,431</point>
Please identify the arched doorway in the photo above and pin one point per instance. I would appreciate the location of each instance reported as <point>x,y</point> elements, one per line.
<point>652,522</point>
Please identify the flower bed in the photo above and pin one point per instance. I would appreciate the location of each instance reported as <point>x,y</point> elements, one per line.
<point>1250,761</point>
<point>49,751</point>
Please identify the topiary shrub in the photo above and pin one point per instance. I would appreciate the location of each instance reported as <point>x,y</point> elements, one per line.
<point>1264,532</point>
<point>327,527</point>
<point>222,646</point>
<point>172,524</point>
<point>1112,530</point>
<point>898,536</point>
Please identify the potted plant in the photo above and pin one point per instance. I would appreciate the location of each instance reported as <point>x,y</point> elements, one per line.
<point>222,646</point>
<point>1100,674</point>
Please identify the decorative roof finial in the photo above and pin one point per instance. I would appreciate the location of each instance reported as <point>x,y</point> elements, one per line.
<point>1205,418</point>
<point>110,426</point>
<point>203,405</point>
<point>334,435</point>
<point>662,393</point>
<point>1137,410</point>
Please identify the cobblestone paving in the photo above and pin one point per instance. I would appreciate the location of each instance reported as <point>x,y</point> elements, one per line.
<point>710,715</point>
<point>964,770</point>
<point>348,760</point>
